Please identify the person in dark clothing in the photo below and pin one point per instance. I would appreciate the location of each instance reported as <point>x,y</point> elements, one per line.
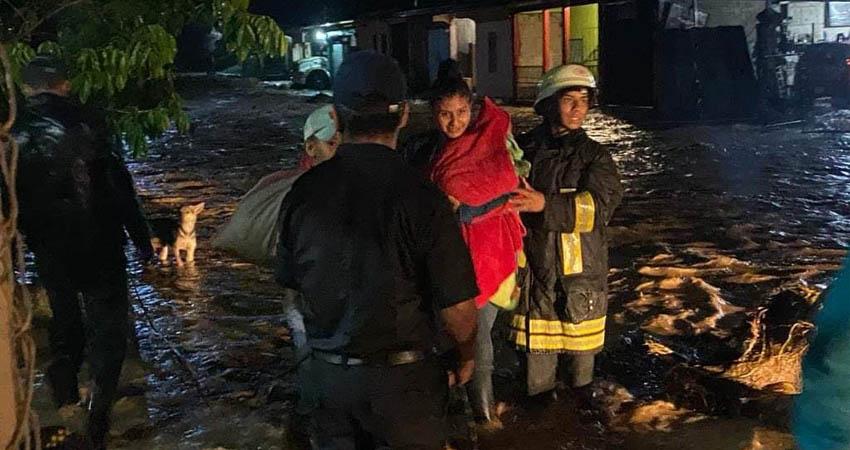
<point>570,196</point>
<point>821,413</point>
<point>376,254</point>
<point>76,201</point>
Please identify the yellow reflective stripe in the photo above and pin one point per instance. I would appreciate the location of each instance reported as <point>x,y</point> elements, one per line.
<point>553,327</point>
<point>571,253</point>
<point>585,212</point>
<point>547,342</point>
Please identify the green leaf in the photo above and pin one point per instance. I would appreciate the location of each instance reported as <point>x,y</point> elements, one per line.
<point>114,48</point>
<point>85,91</point>
<point>183,122</point>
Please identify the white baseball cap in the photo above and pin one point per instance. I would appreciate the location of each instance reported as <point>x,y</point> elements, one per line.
<point>321,124</point>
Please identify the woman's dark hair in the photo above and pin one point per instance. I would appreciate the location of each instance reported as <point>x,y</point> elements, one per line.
<point>449,83</point>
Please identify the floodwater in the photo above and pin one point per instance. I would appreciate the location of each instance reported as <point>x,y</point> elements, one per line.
<point>725,238</point>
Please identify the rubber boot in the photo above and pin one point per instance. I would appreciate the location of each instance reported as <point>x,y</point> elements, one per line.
<point>483,400</point>
<point>97,428</point>
<point>62,377</point>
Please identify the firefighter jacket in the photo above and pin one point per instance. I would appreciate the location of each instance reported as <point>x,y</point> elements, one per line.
<point>564,300</point>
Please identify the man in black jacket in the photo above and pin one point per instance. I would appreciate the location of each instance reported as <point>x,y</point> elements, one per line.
<point>76,201</point>
<point>375,251</point>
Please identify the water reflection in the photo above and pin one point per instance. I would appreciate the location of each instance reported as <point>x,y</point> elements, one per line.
<point>717,222</point>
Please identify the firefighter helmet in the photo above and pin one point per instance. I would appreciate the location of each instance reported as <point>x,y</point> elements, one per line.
<point>570,75</point>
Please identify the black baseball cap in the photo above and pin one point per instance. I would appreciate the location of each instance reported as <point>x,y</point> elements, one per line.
<point>368,82</point>
<point>43,72</point>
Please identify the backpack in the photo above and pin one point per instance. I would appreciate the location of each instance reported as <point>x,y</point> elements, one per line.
<point>56,186</point>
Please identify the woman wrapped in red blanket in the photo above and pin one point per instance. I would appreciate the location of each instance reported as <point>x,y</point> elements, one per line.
<point>475,170</point>
<point>472,164</point>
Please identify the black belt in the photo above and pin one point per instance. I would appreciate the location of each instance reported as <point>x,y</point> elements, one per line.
<point>390,360</point>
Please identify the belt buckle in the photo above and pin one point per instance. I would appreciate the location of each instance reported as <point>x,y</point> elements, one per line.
<point>405,357</point>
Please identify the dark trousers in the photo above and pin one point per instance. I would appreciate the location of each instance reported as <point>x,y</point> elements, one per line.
<point>542,369</point>
<point>368,407</point>
<point>106,306</point>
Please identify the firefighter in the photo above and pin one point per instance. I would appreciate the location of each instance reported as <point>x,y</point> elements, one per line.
<point>567,201</point>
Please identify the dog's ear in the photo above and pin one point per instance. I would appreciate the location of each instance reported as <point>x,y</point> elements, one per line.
<point>198,208</point>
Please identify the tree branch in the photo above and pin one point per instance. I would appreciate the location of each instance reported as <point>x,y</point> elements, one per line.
<point>17,11</point>
<point>27,31</point>
<point>10,89</point>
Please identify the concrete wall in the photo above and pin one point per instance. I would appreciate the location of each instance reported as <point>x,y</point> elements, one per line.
<point>370,33</point>
<point>732,13</point>
<point>556,37</point>
<point>805,14</point>
<point>584,25</point>
<point>495,77</point>
<point>462,44</point>
<point>530,33</point>
<point>805,17</point>
<point>530,59</point>
<point>418,76</point>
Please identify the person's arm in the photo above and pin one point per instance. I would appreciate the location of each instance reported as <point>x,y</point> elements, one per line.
<point>599,192</point>
<point>132,214</point>
<point>467,213</point>
<point>284,255</point>
<point>461,324</point>
<point>284,275</point>
<point>603,182</point>
<point>453,286</point>
<point>294,319</point>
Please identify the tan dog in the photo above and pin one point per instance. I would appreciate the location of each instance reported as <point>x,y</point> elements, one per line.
<point>168,233</point>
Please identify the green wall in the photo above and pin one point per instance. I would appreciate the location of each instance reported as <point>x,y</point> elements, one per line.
<point>584,24</point>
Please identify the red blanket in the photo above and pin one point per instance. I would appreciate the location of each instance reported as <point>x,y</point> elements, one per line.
<point>476,168</point>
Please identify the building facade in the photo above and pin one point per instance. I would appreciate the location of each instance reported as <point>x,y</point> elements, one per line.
<point>674,55</point>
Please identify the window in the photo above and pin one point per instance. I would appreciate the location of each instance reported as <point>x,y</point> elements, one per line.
<point>577,51</point>
<point>838,14</point>
<point>493,52</point>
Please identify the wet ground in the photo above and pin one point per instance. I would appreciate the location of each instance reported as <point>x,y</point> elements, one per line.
<point>725,238</point>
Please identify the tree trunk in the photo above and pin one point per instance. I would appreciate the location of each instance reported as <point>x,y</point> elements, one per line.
<point>8,381</point>
<point>12,415</point>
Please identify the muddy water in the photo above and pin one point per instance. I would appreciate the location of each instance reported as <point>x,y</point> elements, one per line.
<point>724,237</point>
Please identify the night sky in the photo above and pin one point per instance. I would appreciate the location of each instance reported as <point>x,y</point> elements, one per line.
<point>306,12</point>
